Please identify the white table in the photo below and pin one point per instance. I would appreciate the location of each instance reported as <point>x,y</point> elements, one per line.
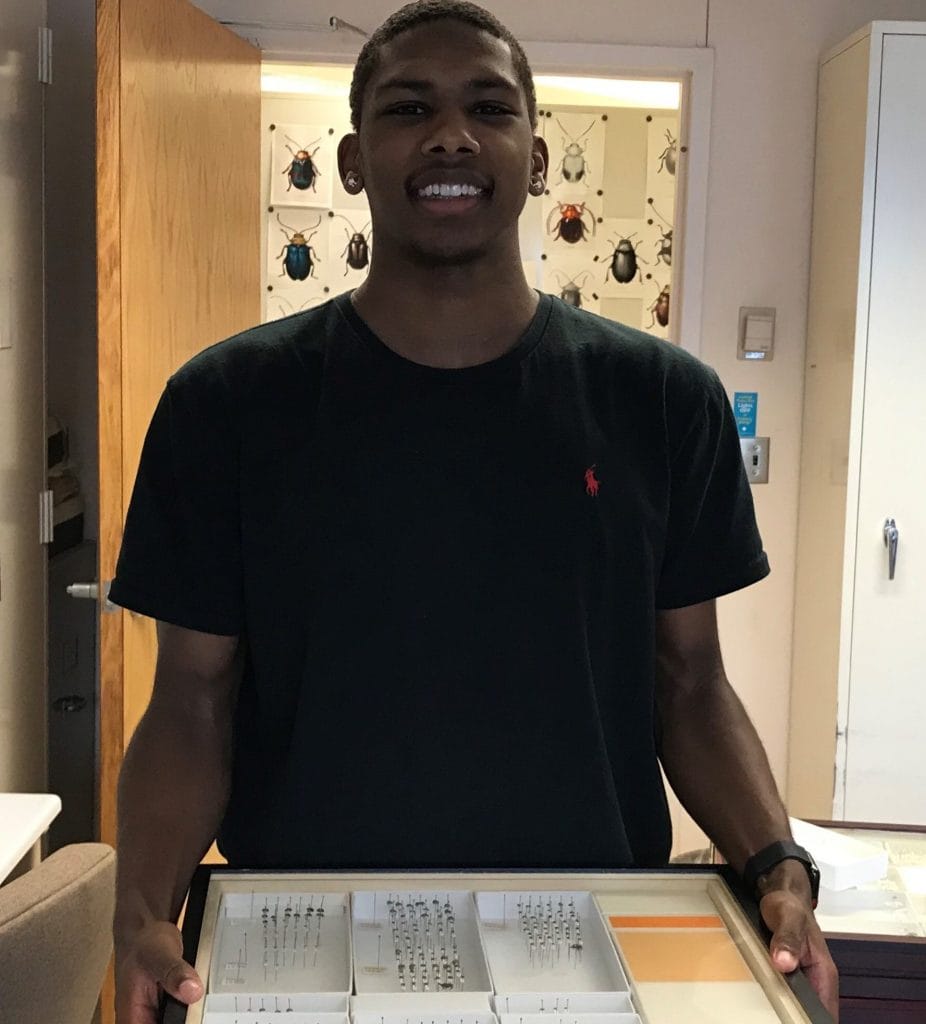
<point>24,819</point>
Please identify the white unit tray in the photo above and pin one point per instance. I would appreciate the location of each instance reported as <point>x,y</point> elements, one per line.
<point>547,942</point>
<point>277,943</point>
<point>551,1005</point>
<point>421,1003</point>
<point>629,1017</point>
<point>327,1009</point>
<point>410,1016</point>
<point>417,943</point>
<point>257,1017</point>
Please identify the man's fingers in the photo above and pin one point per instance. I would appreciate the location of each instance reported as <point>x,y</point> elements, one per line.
<point>161,956</point>
<point>787,918</point>
<point>824,979</point>
<point>798,942</point>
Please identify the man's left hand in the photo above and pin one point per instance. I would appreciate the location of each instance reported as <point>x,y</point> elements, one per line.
<point>796,937</point>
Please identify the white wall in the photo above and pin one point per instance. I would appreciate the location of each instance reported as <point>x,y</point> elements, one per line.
<point>757,246</point>
<point>22,407</point>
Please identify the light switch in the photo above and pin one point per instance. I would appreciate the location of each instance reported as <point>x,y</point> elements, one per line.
<point>756,333</point>
<point>755,458</point>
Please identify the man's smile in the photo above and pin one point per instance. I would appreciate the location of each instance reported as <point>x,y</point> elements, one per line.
<point>446,190</point>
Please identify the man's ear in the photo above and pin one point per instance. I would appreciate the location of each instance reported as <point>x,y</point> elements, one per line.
<point>540,157</point>
<point>539,164</point>
<point>349,155</point>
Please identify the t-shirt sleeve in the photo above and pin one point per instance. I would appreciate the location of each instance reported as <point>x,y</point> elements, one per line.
<point>712,545</point>
<point>180,560</point>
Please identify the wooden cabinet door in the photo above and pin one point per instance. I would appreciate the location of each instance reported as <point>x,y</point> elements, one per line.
<point>178,188</point>
<point>885,771</point>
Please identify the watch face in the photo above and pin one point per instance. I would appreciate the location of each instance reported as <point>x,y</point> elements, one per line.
<point>814,872</point>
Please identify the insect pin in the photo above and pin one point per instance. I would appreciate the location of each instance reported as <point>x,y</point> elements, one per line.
<point>298,256</point>
<point>570,226</point>
<point>660,308</point>
<point>573,166</point>
<point>302,171</point>
<point>357,249</point>
<point>667,158</point>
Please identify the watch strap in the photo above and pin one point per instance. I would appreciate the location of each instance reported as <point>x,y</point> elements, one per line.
<point>761,863</point>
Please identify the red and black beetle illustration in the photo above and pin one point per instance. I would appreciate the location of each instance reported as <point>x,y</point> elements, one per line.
<point>570,226</point>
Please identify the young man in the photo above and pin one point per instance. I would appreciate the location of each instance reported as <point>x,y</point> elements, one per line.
<point>434,565</point>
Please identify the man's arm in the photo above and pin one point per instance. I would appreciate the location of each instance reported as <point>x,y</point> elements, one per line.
<point>717,766</point>
<point>173,790</point>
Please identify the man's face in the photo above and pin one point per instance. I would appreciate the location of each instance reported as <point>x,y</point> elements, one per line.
<point>443,113</point>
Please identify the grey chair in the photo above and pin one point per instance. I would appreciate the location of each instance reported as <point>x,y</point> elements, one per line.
<point>56,937</point>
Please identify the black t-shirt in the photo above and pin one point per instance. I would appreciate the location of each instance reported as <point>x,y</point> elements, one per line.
<point>447,581</point>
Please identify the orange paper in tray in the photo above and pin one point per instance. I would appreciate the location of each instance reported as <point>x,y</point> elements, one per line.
<point>679,949</point>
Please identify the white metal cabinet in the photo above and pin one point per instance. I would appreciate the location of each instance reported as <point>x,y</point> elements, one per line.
<point>859,683</point>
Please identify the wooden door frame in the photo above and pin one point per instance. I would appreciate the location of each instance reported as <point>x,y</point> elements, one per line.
<point>109,347</point>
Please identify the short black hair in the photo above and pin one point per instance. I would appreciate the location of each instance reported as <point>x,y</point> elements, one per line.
<point>419,13</point>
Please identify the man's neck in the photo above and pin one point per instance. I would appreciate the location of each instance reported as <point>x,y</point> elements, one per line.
<point>448,317</point>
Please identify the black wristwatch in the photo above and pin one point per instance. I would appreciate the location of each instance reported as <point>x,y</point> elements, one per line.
<point>761,863</point>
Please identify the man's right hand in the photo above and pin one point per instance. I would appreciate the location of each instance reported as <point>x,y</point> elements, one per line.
<point>148,963</point>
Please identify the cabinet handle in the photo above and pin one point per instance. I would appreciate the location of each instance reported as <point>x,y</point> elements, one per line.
<point>891,537</point>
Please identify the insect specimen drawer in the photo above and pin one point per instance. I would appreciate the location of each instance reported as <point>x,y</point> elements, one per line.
<point>592,948</point>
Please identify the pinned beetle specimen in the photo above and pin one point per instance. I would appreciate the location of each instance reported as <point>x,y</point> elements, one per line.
<point>301,171</point>
<point>570,226</point>
<point>624,261</point>
<point>357,249</point>
<point>667,158</point>
<point>299,259</point>
<point>571,290</point>
<point>660,308</point>
<point>573,166</point>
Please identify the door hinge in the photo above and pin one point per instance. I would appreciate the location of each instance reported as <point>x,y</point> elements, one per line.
<point>45,54</point>
<point>46,517</point>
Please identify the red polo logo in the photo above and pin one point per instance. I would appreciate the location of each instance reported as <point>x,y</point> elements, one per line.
<point>591,482</point>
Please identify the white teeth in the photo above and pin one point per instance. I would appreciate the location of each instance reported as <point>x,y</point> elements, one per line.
<point>448,191</point>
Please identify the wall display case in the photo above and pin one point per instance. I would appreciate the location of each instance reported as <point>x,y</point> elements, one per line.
<point>877,931</point>
<point>600,238</point>
<point>581,948</point>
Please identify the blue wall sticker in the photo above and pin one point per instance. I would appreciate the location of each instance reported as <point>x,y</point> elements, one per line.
<point>745,407</point>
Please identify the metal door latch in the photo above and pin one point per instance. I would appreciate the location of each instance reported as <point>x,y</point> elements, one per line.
<point>891,540</point>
